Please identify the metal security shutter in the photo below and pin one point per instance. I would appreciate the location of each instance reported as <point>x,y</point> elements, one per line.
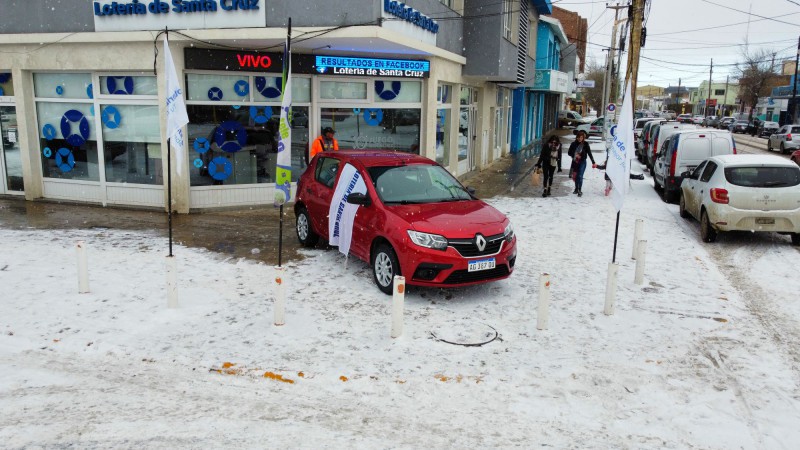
<point>522,44</point>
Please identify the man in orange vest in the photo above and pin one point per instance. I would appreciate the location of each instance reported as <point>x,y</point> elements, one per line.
<point>324,143</point>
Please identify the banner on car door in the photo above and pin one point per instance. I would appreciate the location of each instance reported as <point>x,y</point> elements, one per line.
<point>341,213</point>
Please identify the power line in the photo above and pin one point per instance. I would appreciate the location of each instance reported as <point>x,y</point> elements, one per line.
<point>719,26</point>
<point>751,14</point>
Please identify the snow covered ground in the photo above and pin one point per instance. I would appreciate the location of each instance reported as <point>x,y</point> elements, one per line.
<point>706,353</point>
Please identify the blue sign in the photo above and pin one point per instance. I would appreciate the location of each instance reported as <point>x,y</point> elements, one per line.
<point>410,14</point>
<point>137,8</point>
<point>230,136</point>
<point>372,67</point>
<point>267,90</point>
<point>65,160</point>
<point>242,88</point>
<point>611,107</point>
<point>49,132</point>
<point>373,116</point>
<point>215,94</point>
<point>390,93</point>
<point>201,145</point>
<point>74,118</point>
<point>111,117</point>
<point>220,168</point>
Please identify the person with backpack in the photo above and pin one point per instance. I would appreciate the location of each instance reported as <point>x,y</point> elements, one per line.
<point>579,151</point>
<point>323,143</point>
<point>549,161</point>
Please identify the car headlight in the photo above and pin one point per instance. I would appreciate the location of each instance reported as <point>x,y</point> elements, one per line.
<point>428,240</point>
<point>508,233</point>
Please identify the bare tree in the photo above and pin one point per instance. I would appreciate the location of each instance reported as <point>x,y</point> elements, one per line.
<point>754,73</point>
<point>594,96</point>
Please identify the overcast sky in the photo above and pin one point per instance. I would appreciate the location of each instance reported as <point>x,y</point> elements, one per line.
<point>678,32</point>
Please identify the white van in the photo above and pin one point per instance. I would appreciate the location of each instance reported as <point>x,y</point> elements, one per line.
<point>659,134</point>
<point>683,151</point>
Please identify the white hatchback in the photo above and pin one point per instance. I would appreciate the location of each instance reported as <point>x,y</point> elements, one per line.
<point>745,193</point>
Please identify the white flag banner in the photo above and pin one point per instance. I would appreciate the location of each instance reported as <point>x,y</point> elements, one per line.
<point>176,109</point>
<point>342,214</point>
<point>620,154</point>
<point>283,169</point>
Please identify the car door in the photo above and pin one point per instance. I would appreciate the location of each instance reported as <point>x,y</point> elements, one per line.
<point>691,190</point>
<point>320,192</point>
<point>660,164</point>
<point>368,222</point>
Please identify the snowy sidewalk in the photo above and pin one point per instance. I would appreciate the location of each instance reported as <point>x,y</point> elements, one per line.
<point>688,360</point>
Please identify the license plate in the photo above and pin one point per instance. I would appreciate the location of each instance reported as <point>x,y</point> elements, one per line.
<point>765,221</point>
<point>481,264</point>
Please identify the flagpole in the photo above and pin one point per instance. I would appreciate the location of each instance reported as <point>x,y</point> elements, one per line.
<point>286,61</point>
<point>616,233</point>
<point>169,193</point>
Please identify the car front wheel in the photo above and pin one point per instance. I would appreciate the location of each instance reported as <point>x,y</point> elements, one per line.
<point>682,208</point>
<point>305,234</point>
<point>783,149</point>
<point>796,239</point>
<point>769,145</point>
<point>707,232</point>
<point>384,267</point>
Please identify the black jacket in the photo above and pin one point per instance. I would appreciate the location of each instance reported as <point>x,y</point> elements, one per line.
<point>584,152</point>
<point>544,156</point>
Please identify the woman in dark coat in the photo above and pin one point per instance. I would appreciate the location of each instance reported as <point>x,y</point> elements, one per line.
<point>550,160</point>
<point>579,151</point>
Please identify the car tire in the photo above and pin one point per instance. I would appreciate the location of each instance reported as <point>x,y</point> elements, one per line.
<point>783,149</point>
<point>769,145</point>
<point>682,208</point>
<point>796,239</point>
<point>384,267</point>
<point>707,232</point>
<point>305,234</point>
<point>656,186</point>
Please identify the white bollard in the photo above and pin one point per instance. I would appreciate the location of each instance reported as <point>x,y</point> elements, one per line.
<point>398,305</point>
<point>544,302</point>
<point>83,267</point>
<point>280,296</point>
<point>640,257</point>
<point>611,288</point>
<point>637,234</point>
<point>172,282</point>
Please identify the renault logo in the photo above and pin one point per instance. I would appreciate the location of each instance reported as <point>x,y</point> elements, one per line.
<point>480,242</point>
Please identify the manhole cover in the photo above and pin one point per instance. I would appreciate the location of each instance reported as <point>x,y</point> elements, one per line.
<point>468,334</point>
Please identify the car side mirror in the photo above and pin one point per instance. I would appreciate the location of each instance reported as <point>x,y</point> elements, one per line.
<point>471,191</point>
<point>687,174</point>
<point>357,198</point>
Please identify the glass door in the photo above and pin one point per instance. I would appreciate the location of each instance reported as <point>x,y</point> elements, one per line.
<point>10,159</point>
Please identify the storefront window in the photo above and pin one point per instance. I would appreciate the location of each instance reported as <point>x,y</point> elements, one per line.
<point>68,141</point>
<point>223,88</point>
<point>132,144</point>
<point>6,86</point>
<point>343,90</point>
<point>374,128</point>
<point>444,100</point>
<point>63,85</point>
<point>128,85</point>
<point>398,91</point>
<point>9,149</point>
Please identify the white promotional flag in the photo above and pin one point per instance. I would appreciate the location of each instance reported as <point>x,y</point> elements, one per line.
<point>620,154</point>
<point>176,108</point>
<point>283,169</point>
<point>341,213</point>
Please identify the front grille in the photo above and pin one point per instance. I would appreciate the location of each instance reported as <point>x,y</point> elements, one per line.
<point>464,276</point>
<point>468,249</point>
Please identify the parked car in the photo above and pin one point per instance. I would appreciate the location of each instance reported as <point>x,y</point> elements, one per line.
<point>710,122</point>
<point>765,129</point>
<point>725,122</point>
<point>740,126</point>
<point>698,119</point>
<point>685,118</point>
<point>413,219</point>
<point>592,129</point>
<point>638,126</point>
<point>684,151</point>
<point>743,192</point>
<point>659,135</point>
<point>669,114</point>
<point>784,140</point>
<point>570,119</point>
<point>643,142</point>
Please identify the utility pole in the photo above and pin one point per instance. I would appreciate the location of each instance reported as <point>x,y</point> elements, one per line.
<point>794,85</point>
<point>678,99</point>
<point>637,17</point>
<point>607,83</point>
<point>725,99</point>
<point>708,97</point>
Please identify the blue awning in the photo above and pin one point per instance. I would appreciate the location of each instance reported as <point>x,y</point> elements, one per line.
<point>543,6</point>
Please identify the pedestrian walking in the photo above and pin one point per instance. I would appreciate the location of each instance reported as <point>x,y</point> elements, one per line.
<point>549,162</point>
<point>579,151</point>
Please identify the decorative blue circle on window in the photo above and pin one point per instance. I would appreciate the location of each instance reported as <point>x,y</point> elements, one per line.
<point>60,90</point>
<point>201,145</point>
<point>198,163</point>
<point>236,106</point>
<point>4,77</point>
<point>260,114</point>
<point>215,94</point>
<point>74,127</point>
<point>268,91</point>
<point>90,91</point>
<point>47,152</point>
<point>390,93</point>
<point>373,116</point>
<point>64,159</point>
<point>119,85</point>
<point>220,168</point>
<point>357,110</point>
<point>91,110</point>
<point>2,92</point>
<point>230,136</point>
<point>49,132</point>
<point>242,88</point>
<point>111,117</point>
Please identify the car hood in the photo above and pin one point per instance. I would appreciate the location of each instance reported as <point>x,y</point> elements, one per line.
<point>454,220</point>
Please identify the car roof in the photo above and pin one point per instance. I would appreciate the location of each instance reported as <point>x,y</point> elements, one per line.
<point>750,160</point>
<point>379,157</point>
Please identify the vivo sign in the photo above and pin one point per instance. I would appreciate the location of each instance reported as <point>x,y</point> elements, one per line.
<point>254,61</point>
<point>179,14</point>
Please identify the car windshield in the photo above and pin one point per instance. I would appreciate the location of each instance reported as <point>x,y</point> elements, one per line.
<point>763,177</point>
<point>416,183</point>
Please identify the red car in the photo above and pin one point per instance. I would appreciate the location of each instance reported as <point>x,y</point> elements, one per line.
<point>795,157</point>
<point>411,218</point>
